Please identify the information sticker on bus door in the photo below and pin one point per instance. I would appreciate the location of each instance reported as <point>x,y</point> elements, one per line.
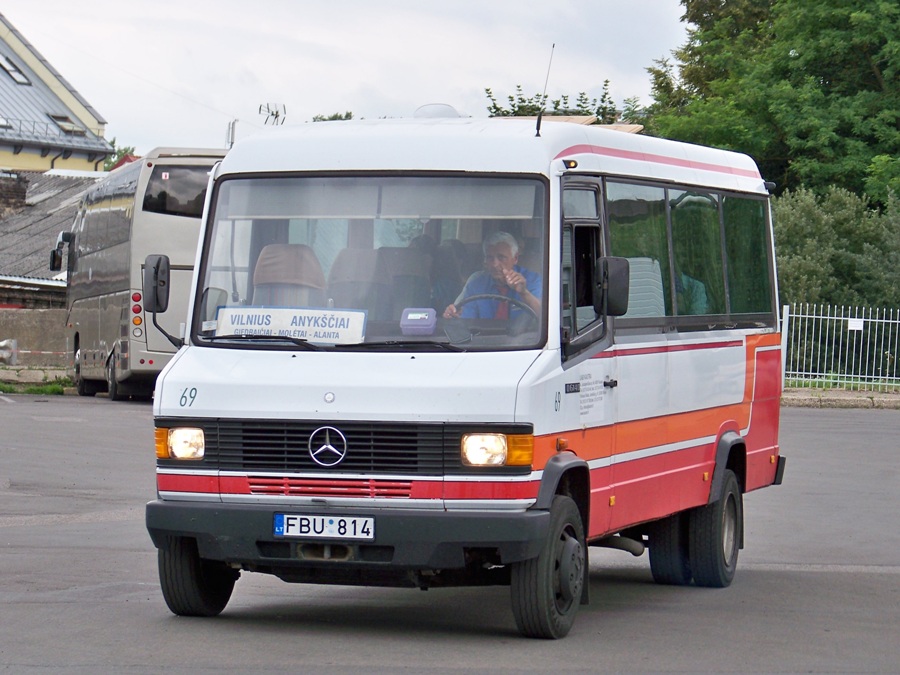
<point>326,326</point>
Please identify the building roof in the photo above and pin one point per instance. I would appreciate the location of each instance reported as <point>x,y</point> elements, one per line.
<point>27,236</point>
<point>32,110</point>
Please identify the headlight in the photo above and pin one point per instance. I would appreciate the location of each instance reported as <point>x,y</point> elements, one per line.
<point>497,450</point>
<point>180,443</point>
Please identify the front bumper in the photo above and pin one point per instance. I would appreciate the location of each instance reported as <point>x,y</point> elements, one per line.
<point>405,539</point>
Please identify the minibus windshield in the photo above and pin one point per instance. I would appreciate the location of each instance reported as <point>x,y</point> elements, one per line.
<point>402,263</point>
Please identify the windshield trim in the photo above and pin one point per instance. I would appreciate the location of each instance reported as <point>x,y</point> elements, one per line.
<point>539,337</point>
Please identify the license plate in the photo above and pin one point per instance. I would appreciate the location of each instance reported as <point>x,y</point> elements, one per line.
<point>324,527</point>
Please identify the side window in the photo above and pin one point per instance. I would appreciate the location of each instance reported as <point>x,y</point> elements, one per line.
<point>697,253</point>
<point>580,249</point>
<point>747,253</point>
<point>637,231</point>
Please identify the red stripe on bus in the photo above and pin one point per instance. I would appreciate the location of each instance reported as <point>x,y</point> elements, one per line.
<point>583,148</point>
<point>167,482</point>
<point>665,349</point>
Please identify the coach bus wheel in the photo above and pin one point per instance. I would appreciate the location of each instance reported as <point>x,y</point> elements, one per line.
<point>82,386</point>
<point>716,532</point>
<point>190,585</point>
<point>669,560</point>
<point>112,386</point>
<point>546,591</point>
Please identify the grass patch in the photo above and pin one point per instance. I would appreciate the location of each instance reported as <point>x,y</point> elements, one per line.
<point>55,388</point>
<point>844,383</point>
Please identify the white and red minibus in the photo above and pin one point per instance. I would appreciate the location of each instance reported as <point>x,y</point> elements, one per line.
<point>456,351</point>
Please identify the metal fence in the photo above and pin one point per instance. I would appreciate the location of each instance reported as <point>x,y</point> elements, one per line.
<point>826,346</point>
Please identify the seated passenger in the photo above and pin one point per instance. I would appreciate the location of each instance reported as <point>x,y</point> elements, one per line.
<point>691,294</point>
<point>501,276</point>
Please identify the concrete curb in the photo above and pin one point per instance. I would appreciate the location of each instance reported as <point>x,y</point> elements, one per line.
<point>838,398</point>
<point>31,374</point>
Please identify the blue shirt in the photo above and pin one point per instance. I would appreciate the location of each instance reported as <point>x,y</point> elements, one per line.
<point>482,282</point>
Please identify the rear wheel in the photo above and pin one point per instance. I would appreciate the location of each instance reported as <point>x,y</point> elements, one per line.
<point>192,586</point>
<point>669,558</point>
<point>112,386</point>
<point>716,532</point>
<point>547,590</point>
<point>82,386</point>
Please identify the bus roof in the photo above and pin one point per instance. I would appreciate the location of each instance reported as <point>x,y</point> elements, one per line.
<point>487,145</point>
<point>156,153</point>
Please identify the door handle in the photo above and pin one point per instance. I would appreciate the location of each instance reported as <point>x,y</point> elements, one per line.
<point>610,383</point>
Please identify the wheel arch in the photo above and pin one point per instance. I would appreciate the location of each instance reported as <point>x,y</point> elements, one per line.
<point>731,454</point>
<point>566,474</point>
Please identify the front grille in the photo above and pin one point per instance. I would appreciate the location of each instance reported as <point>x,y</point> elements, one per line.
<point>275,447</point>
<point>283,446</point>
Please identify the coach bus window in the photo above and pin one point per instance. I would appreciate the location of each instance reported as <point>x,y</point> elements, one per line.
<point>697,249</point>
<point>748,251</point>
<point>637,231</point>
<point>177,190</point>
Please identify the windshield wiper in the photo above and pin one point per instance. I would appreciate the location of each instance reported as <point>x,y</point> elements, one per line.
<point>418,344</point>
<point>299,342</point>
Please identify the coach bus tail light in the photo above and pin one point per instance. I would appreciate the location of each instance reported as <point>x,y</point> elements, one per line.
<point>497,450</point>
<point>180,443</point>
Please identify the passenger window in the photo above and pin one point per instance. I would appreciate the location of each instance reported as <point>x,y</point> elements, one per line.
<point>637,231</point>
<point>697,249</point>
<point>747,253</point>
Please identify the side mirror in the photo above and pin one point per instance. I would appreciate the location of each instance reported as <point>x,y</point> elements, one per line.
<point>56,254</point>
<point>156,283</point>
<point>55,260</point>
<point>611,291</point>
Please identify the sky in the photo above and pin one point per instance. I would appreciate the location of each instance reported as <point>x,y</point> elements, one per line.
<point>178,72</point>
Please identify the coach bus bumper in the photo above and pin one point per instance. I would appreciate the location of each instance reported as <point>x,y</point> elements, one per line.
<point>407,539</point>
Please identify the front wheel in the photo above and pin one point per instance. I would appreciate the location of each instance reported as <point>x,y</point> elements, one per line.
<point>716,532</point>
<point>192,586</point>
<point>546,591</point>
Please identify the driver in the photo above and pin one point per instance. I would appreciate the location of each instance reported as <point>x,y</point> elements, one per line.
<point>501,277</point>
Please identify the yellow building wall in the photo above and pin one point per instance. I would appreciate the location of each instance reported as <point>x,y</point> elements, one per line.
<point>32,161</point>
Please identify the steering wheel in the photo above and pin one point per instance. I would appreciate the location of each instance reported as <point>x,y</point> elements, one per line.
<point>502,298</point>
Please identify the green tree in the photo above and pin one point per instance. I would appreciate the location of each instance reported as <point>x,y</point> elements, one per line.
<point>836,249</point>
<point>519,105</point>
<point>333,116</point>
<point>118,153</point>
<point>808,88</point>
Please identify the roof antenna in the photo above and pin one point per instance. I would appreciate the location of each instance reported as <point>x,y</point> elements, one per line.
<point>544,95</point>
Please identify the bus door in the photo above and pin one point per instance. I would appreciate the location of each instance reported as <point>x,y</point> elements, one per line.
<point>589,363</point>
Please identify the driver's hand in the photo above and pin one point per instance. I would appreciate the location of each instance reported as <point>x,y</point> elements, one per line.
<point>451,312</point>
<point>514,280</point>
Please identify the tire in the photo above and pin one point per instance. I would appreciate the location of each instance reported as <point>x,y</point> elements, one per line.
<point>546,591</point>
<point>716,533</point>
<point>670,562</point>
<point>190,585</point>
<point>112,386</point>
<point>82,386</point>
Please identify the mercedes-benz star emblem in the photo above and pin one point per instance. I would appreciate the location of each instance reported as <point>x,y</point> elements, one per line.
<point>327,446</point>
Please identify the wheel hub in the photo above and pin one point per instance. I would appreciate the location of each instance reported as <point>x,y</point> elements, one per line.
<point>571,569</point>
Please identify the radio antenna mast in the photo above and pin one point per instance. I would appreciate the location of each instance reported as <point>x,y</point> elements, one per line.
<point>544,95</point>
<point>275,113</point>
